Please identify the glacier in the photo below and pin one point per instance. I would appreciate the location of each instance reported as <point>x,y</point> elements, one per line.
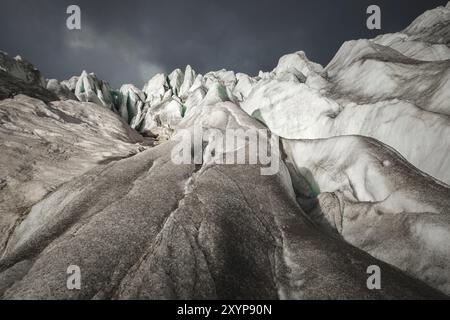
<point>86,178</point>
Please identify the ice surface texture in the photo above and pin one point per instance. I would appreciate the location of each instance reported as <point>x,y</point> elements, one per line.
<point>363,178</point>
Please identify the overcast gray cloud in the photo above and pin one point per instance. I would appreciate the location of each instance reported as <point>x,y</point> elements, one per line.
<point>125,48</point>
<point>129,41</point>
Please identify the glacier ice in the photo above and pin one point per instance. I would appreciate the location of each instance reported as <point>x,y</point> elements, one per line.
<point>91,89</point>
<point>155,89</point>
<point>60,89</point>
<point>188,81</point>
<point>176,80</point>
<point>356,183</point>
<point>22,69</point>
<point>426,39</point>
<point>369,72</point>
<point>131,105</point>
<point>365,143</point>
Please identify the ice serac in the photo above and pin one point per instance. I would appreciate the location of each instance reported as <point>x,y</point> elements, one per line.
<point>188,81</point>
<point>171,114</point>
<point>132,103</point>
<point>156,88</point>
<point>91,89</point>
<point>299,62</point>
<point>71,83</point>
<point>296,67</point>
<point>176,80</point>
<point>217,93</point>
<point>61,90</point>
<point>244,86</point>
<point>224,77</point>
<point>194,98</point>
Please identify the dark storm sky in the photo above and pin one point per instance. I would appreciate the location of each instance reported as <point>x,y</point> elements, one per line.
<point>129,41</point>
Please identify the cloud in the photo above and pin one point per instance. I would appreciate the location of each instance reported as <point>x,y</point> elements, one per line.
<point>129,41</point>
<point>147,70</point>
<point>116,46</point>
